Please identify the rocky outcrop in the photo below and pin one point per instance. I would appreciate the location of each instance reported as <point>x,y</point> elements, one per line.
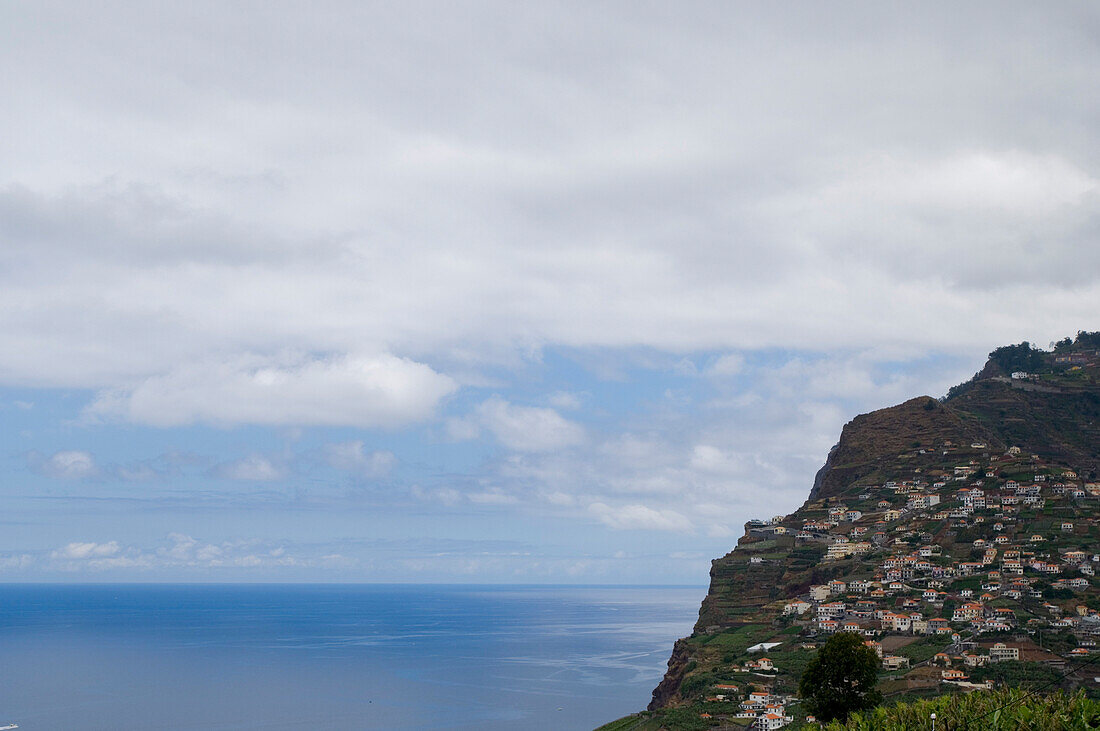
<point>668,692</point>
<point>871,442</point>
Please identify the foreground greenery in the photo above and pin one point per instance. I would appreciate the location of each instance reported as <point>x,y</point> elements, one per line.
<point>989,711</point>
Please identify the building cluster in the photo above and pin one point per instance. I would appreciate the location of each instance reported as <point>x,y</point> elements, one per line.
<point>910,578</point>
<point>767,711</point>
<point>959,552</point>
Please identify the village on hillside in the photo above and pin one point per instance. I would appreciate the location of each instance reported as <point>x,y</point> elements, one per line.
<point>958,577</point>
<point>965,563</point>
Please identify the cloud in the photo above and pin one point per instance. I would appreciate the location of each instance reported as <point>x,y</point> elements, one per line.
<point>740,448</point>
<point>566,400</point>
<point>177,551</point>
<point>447,496</point>
<point>729,364</point>
<point>561,499</point>
<point>527,428</point>
<point>710,459</point>
<point>640,517</point>
<point>78,556</point>
<point>183,550</point>
<point>380,391</point>
<point>451,497</point>
<point>253,468</point>
<point>492,497</point>
<point>17,562</point>
<point>798,179</point>
<point>82,551</point>
<point>69,464</point>
<point>352,457</point>
<point>136,472</point>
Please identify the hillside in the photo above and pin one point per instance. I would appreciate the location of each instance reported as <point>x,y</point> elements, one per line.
<point>959,536</point>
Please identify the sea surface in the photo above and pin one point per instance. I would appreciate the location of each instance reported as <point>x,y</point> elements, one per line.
<point>143,657</point>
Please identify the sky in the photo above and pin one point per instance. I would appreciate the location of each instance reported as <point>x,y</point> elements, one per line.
<point>485,292</point>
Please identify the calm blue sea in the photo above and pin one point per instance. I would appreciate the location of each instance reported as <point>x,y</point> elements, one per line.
<point>141,657</point>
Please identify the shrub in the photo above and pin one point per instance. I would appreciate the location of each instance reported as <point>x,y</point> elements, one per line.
<point>993,711</point>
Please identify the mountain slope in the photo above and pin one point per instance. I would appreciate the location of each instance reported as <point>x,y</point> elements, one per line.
<point>984,500</point>
<point>872,443</point>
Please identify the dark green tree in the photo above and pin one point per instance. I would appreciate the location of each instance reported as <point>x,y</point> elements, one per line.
<point>1020,357</point>
<point>841,678</point>
<point>1087,339</point>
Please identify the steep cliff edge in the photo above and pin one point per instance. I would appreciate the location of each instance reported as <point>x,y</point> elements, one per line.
<point>895,486</point>
<point>871,443</point>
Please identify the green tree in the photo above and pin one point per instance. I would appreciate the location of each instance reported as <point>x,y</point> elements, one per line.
<point>841,678</point>
<point>1020,357</point>
<point>1087,339</point>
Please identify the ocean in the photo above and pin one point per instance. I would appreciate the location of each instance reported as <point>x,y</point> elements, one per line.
<point>144,657</point>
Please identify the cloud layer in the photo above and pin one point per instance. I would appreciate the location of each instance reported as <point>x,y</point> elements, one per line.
<point>763,176</point>
<point>177,551</point>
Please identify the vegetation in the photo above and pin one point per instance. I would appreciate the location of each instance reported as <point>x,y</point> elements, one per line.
<point>924,648</point>
<point>996,711</point>
<point>841,679</point>
<point>1022,357</point>
<point>1026,675</point>
<point>1087,339</point>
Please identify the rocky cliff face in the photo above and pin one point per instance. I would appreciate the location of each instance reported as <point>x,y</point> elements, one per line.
<point>872,442</point>
<point>667,693</point>
<point>993,425</point>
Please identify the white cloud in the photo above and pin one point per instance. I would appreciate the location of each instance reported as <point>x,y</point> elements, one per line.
<point>352,457</point>
<point>729,364</point>
<point>1014,183</point>
<point>253,468</point>
<point>341,391</point>
<point>565,400</point>
<point>528,428</point>
<point>70,464</point>
<point>685,367</point>
<point>444,496</point>
<point>640,517</point>
<point>17,562</point>
<point>92,556</point>
<point>709,459</point>
<point>821,180</point>
<point>751,450</point>
<point>492,497</point>
<point>178,551</point>
<point>561,499</point>
<point>81,551</point>
<point>138,472</point>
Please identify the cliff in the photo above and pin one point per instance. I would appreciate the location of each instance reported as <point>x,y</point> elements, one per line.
<point>870,444</point>
<point>987,496</point>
